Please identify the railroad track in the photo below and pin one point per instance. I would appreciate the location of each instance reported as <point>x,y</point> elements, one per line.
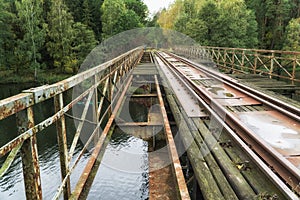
<point>267,129</point>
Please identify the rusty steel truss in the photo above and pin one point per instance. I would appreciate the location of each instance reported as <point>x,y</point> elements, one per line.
<point>102,83</point>
<point>271,63</point>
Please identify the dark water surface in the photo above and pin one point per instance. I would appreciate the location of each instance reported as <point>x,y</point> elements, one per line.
<point>125,151</point>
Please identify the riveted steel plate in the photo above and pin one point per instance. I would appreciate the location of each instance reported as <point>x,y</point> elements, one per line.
<point>186,99</point>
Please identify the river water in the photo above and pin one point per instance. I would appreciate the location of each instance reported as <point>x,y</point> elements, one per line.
<point>110,182</point>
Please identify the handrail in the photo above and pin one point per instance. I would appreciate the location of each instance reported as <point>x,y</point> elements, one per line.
<point>21,105</point>
<point>272,63</point>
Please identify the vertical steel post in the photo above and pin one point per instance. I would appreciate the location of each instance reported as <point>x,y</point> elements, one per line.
<point>232,60</point>
<point>29,153</point>
<point>95,107</point>
<point>272,65</point>
<point>243,60</point>
<point>255,62</point>
<point>62,144</point>
<point>218,56</point>
<point>294,69</point>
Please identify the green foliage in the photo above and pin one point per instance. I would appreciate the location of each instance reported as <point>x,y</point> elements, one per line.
<point>153,22</point>
<point>139,8</point>
<point>34,30</point>
<point>292,39</point>
<point>7,36</point>
<point>69,42</point>
<point>83,42</point>
<point>117,18</point>
<point>88,13</point>
<point>272,18</point>
<point>232,23</point>
<point>60,34</point>
<point>235,25</point>
<point>217,23</point>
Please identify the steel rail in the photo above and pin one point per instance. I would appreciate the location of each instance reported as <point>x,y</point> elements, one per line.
<point>242,135</point>
<point>272,102</point>
<point>183,191</point>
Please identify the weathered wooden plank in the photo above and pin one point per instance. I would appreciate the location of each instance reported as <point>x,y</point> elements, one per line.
<point>237,181</point>
<point>206,181</point>
<point>250,171</point>
<point>224,185</point>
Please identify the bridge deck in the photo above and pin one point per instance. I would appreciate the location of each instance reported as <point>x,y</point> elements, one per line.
<point>167,133</point>
<point>291,91</point>
<point>164,180</point>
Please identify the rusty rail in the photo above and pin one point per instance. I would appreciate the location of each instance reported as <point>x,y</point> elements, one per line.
<point>21,105</point>
<point>184,194</point>
<point>271,63</point>
<point>241,134</point>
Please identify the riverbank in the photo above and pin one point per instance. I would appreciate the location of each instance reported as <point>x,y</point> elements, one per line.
<point>43,77</point>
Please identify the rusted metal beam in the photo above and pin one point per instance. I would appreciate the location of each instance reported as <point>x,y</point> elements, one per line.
<point>14,104</point>
<point>9,160</point>
<point>183,191</point>
<point>62,144</point>
<point>31,169</point>
<point>45,92</point>
<point>41,126</point>
<point>80,126</point>
<point>80,154</point>
<point>265,62</point>
<point>103,97</point>
<point>84,176</point>
<point>21,106</point>
<point>285,169</point>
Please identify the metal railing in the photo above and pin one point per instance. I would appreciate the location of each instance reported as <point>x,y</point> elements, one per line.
<point>272,63</point>
<point>102,82</point>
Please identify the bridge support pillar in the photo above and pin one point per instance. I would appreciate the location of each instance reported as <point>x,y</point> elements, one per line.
<point>62,145</point>
<point>29,153</point>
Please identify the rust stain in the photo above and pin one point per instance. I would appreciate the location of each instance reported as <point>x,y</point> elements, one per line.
<point>17,103</point>
<point>183,191</point>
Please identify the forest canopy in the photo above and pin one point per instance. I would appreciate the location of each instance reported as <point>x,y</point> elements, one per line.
<point>264,24</point>
<point>58,34</point>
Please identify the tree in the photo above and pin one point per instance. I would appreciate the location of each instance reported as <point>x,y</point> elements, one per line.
<point>234,25</point>
<point>83,42</point>
<point>7,36</point>
<point>75,8</point>
<point>292,38</point>
<point>167,17</point>
<point>116,18</point>
<point>272,17</point>
<point>69,42</point>
<point>60,34</point>
<point>152,22</point>
<point>95,9</point>
<point>198,30</point>
<point>34,29</point>
<point>139,8</point>
<point>295,9</point>
<point>187,14</point>
<point>216,23</point>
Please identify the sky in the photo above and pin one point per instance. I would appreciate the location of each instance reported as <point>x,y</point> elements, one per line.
<point>156,5</point>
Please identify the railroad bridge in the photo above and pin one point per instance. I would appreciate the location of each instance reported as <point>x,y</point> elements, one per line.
<point>165,125</point>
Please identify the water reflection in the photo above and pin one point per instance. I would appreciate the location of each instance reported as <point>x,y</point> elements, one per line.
<point>123,173</point>
<point>12,184</point>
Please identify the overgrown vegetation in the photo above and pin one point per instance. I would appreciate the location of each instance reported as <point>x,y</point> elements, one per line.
<point>264,24</point>
<point>57,35</point>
